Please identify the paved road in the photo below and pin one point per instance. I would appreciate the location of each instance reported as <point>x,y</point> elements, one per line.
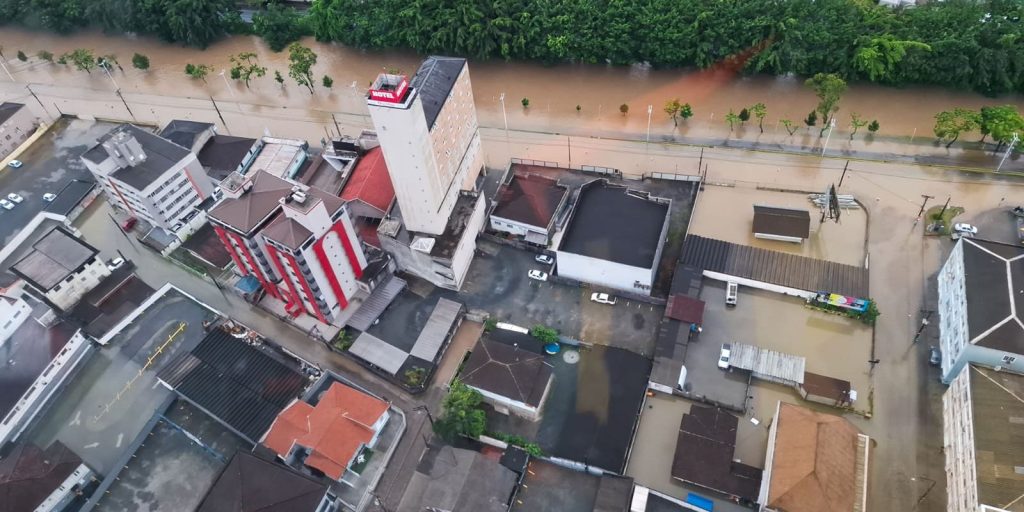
<point>907,467</point>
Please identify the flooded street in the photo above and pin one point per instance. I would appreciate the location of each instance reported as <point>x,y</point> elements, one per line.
<point>553,91</point>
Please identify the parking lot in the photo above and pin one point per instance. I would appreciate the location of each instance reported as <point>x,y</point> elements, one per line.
<point>650,462</point>
<point>833,345</point>
<point>497,283</point>
<point>726,213</point>
<point>49,164</point>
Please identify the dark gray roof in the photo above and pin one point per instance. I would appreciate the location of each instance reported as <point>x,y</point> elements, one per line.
<point>246,212</point>
<point>8,109</point>
<point>28,352</point>
<point>611,223</point>
<point>782,221</point>
<point>222,155</point>
<point>53,258</point>
<point>184,133</point>
<point>70,196</point>
<point>251,484</point>
<point>508,371</point>
<point>998,434</point>
<point>994,283</point>
<point>614,494</point>
<point>242,386</point>
<point>458,480</point>
<point>774,267</point>
<point>530,199</point>
<point>161,154</point>
<point>434,81</point>
<point>704,454</point>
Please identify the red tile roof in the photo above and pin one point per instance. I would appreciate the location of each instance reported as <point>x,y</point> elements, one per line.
<point>685,309</point>
<point>370,181</point>
<point>334,430</point>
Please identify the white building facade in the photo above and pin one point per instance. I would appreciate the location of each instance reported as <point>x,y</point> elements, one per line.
<point>149,177</point>
<point>17,124</point>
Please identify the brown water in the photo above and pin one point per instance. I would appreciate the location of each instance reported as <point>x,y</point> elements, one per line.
<point>554,91</point>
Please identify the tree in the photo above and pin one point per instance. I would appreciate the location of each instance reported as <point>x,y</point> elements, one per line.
<point>45,55</point>
<point>544,334</point>
<point>732,119</point>
<point>874,126</point>
<point>672,108</point>
<point>1001,122</point>
<point>462,414</point>
<point>279,78</point>
<point>624,109</point>
<point>790,127</point>
<point>108,62</point>
<point>857,123</point>
<point>278,25</point>
<point>878,57</point>
<point>140,61</point>
<point>21,56</point>
<point>811,120</point>
<point>829,88</point>
<point>198,71</point>
<point>525,102</point>
<point>193,22</point>
<point>760,111</point>
<point>686,111</point>
<point>300,65</point>
<point>327,81</point>
<point>81,58</point>
<point>744,115</point>
<point>949,124</point>
<point>578,108</point>
<point>245,67</point>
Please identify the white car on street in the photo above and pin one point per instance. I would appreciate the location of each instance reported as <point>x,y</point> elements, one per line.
<point>538,275</point>
<point>115,264</point>
<point>49,197</point>
<point>603,298</point>
<point>7,205</point>
<point>963,229</point>
<point>14,164</point>
<point>544,258</point>
<point>723,357</point>
<point>15,198</point>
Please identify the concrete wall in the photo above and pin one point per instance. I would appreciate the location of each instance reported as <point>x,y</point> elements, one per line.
<point>15,130</point>
<point>604,273</point>
<point>463,256</point>
<point>958,445</point>
<point>514,227</point>
<point>11,317</point>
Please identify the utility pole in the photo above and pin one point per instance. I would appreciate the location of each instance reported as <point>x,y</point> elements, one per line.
<point>841,178</point>
<point>1013,142</point>
<point>650,109</point>
<point>504,115</point>
<point>568,143</point>
<point>219,115</point>
<point>119,95</point>
<point>336,125</point>
<point>943,212</point>
<point>924,323</point>
<point>106,69</point>
<point>923,203</point>
<point>33,93</point>
<point>701,161</point>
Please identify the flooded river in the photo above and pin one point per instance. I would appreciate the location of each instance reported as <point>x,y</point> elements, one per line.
<point>553,91</point>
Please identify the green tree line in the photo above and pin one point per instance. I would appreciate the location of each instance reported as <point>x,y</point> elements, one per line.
<point>967,44</point>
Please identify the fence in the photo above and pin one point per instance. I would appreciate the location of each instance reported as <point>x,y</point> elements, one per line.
<point>673,177</point>
<point>606,171</point>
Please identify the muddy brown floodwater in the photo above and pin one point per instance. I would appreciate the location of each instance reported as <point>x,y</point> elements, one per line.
<point>553,91</point>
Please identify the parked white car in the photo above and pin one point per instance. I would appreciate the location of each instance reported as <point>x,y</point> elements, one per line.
<point>15,198</point>
<point>544,258</point>
<point>538,275</point>
<point>603,298</point>
<point>14,164</point>
<point>115,264</point>
<point>732,293</point>
<point>723,358</point>
<point>7,205</point>
<point>49,197</point>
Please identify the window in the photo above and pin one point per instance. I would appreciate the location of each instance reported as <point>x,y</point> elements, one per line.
<point>1009,359</point>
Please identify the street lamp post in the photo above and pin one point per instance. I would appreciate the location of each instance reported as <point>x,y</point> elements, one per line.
<point>226,83</point>
<point>106,69</point>
<point>504,116</point>
<point>1013,142</point>
<point>3,64</point>
<point>831,127</point>
<point>647,141</point>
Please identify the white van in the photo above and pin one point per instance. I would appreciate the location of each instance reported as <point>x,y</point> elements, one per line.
<point>732,291</point>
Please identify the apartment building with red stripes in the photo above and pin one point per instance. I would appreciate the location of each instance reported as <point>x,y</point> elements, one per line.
<point>297,241</point>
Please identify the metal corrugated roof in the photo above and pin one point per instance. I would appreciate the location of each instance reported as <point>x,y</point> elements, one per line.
<point>379,353</point>
<point>374,305</point>
<point>436,331</point>
<point>768,364</point>
<point>774,267</point>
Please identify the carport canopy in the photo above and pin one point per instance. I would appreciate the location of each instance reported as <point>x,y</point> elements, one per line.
<point>685,309</point>
<point>379,353</point>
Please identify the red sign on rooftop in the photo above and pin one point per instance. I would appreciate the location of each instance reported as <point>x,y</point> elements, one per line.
<point>389,91</point>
